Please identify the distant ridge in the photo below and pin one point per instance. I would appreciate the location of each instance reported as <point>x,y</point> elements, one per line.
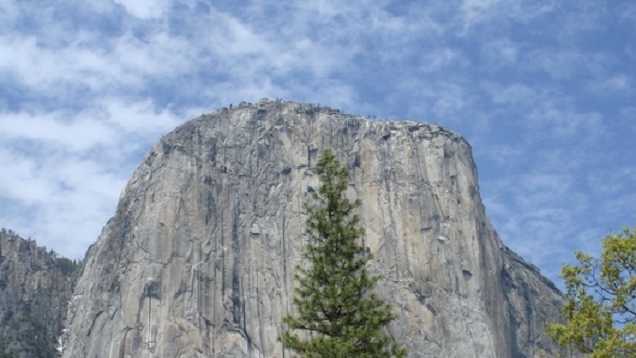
<point>35,288</point>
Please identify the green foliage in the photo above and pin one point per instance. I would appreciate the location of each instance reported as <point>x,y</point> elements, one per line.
<point>68,266</point>
<point>600,308</point>
<point>337,312</point>
<point>5,352</point>
<point>6,355</point>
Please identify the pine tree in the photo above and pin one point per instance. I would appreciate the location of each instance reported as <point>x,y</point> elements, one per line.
<point>338,313</point>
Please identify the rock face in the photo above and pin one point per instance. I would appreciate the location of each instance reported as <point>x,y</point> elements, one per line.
<point>35,288</point>
<point>199,259</point>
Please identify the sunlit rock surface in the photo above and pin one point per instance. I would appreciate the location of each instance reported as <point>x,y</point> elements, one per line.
<point>199,259</point>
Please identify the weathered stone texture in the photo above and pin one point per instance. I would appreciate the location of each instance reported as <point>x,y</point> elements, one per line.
<point>35,287</point>
<point>199,259</point>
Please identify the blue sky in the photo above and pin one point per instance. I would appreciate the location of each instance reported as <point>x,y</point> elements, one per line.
<point>544,90</point>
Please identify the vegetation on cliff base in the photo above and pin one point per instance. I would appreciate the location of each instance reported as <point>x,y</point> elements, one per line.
<point>5,351</point>
<point>336,310</point>
<point>600,308</point>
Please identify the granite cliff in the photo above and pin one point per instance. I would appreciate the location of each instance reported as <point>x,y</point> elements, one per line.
<point>198,260</point>
<point>35,288</point>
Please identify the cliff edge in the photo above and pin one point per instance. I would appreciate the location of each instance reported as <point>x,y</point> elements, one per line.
<point>198,260</point>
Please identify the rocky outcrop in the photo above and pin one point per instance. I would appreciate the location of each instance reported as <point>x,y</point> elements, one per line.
<point>35,288</point>
<point>531,302</point>
<point>199,259</point>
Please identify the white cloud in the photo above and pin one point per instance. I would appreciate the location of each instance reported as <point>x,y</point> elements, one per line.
<point>548,112</point>
<point>612,183</point>
<point>515,94</point>
<point>123,62</point>
<point>612,84</point>
<point>66,170</point>
<point>56,128</point>
<point>500,52</point>
<point>474,11</point>
<point>23,173</point>
<point>537,214</point>
<point>145,9</point>
<point>439,100</point>
<point>441,58</point>
<point>68,165</point>
<point>8,12</point>
<point>558,64</point>
<point>64,200</point>
<point>503,155</point>
<point>102,124</point>
<point>555,121</point>
<point>141,117</point>
<point>87,89</point>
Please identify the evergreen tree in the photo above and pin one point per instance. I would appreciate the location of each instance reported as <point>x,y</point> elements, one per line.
<point>337,311</point>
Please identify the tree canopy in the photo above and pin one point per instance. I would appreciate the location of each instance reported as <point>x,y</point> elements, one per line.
<point>337,312</point>
<point>600,308</point>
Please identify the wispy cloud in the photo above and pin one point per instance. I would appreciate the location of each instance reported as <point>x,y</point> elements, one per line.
<point>145,9</point>
<point>67,168</point>
<point>541,89</point>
